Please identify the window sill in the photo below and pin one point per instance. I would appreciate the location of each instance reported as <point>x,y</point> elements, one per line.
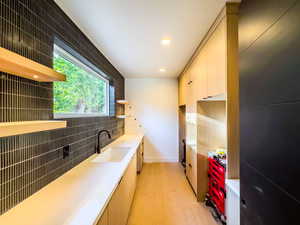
<point>74,115</point>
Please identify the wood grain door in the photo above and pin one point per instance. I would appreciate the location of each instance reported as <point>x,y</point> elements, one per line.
<point>199,77</point>
<point>116,208</point>
<point>183,82</point>
<point>104,218</point>
<point>215,50</point>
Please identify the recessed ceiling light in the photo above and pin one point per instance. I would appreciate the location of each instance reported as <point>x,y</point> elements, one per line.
<point>35,76</point>
<point>165,41</point>
<point>162,70</point>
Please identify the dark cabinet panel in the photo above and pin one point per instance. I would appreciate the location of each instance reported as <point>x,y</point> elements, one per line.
<point>257,16</point>
<point>270,143</point>
<point>270,68</point>
<point>262,203</point>
<point>270,109</point>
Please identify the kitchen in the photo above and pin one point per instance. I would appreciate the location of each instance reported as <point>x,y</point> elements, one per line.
<point>148,112</point>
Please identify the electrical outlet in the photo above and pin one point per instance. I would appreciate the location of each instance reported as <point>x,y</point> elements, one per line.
<point>66,151</point>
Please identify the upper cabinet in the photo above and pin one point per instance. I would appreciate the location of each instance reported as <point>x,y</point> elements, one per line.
<point>205,75</point>
<point>215,50</point>
<point>182,87</point>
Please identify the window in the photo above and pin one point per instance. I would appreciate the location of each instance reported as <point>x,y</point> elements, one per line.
<point>85,93</point>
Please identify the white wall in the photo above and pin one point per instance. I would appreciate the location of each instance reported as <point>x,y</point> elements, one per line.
<point>153,102</point>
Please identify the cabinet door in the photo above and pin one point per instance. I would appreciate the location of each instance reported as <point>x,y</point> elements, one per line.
<point>221,55</point>
<point>215,50</point>
<point>191,167</point>
<point>193,175</point>
<point>130,180</point>
<point>104,218</point>
<point>120,203</point>
<point>183,80</point>
<point>116,215</point>
<point>199,79</point>
<point>189,164</point>
<point>140,158</point>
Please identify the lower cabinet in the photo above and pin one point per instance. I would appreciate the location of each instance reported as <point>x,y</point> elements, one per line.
<point>191,167</point>
<point>140,157</point>
<point>118,209</point>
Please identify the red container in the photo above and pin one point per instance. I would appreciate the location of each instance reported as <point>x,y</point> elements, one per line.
<point>216,192</point>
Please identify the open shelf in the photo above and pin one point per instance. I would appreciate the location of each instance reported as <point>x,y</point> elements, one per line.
<point>18,65</point>
<point>123,102</point>
<point>25,127</point>
<point>121,116</point>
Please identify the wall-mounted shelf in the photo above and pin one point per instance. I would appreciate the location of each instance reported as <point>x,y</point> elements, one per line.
<point>123,102</point>
<point>24,127</point>
<point>18,65</point>
<point>121,116</point>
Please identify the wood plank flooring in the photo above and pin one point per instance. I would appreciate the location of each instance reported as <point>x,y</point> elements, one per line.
<point>164,197</point>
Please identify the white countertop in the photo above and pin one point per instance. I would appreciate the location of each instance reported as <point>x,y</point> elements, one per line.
<point>79,196</point>
<point>234,185</point>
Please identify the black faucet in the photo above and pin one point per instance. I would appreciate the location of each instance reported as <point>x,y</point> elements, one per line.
<point>98,150</point>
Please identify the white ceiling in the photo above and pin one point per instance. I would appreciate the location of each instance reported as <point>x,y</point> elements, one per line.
<point>128,32</point>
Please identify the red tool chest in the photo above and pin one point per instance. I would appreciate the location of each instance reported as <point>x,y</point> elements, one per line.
<point>216,192</point>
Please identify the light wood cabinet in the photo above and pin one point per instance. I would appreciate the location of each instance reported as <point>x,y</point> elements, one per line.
<point>118,209</point>
<point>140,157</point>
<point>199,77</point>
<point>212,75</point>
<point>182,87</point>
<point>206,76</point>
<point>104,218</point>
<point>191,167</point>
<point>215,50</point>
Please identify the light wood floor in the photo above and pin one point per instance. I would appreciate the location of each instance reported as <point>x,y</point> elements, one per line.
<point>164,197</point>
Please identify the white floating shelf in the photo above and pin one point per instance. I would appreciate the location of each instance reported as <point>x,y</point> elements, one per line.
<point>124,102</point>
<point>25,127</point>
<point>15,64</point>
<point>121,116</point>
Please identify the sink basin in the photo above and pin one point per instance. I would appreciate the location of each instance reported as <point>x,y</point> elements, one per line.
<point>114,154</point>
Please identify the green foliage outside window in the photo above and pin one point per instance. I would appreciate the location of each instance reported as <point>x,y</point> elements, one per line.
<point>82,93</point>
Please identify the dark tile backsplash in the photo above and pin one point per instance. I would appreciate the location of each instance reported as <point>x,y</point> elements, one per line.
<point>29,162</point>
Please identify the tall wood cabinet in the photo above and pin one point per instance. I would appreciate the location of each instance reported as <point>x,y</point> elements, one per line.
<point>211,75</point>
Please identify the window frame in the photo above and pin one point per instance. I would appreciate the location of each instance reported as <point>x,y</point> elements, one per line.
<point>66,52</point>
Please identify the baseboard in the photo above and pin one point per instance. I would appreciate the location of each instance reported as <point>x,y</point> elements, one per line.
<point>161,160</point>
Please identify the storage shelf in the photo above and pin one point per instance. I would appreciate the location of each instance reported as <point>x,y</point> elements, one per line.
<point>18,65</point>
<point>123,102</point>
<point>25,127</point>
<point>121,116</point>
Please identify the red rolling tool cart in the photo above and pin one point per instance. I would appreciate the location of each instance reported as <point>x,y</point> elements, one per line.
<point>216,187</point>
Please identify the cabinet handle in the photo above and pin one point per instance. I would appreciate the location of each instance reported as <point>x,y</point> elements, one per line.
<point>243,203</point>
<point>190,165</point>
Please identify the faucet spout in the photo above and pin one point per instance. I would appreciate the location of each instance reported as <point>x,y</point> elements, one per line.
<point>98,148</point>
